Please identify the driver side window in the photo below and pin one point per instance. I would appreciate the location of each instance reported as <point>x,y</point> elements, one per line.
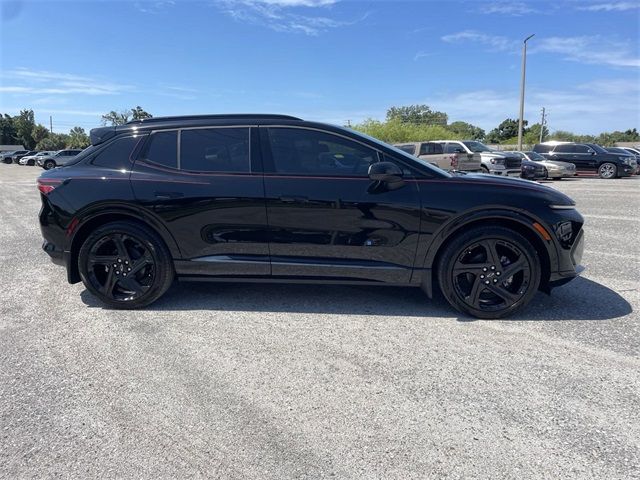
<point>299,151</point>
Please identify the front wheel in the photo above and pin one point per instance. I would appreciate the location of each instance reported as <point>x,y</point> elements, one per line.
<point>489,272</point>
<point>608,170</point>
<point>125,265</point>
<point>49,164</point>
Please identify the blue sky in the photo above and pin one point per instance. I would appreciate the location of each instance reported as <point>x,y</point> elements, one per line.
<point>327,60</point>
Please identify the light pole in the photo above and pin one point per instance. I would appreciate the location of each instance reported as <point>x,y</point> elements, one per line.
<point>524,70</point>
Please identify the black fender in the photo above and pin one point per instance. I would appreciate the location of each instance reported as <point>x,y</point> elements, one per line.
<point>428,251</point>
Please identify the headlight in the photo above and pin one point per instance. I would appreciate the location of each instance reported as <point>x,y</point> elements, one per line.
<point>528,167</point>
<point>626,160</point>
<point>497,161</point>
<point>562,207</point>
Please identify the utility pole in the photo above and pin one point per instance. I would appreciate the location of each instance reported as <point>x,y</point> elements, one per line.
<point>524,71</point>
<point>349,123</point>
<point>542,125</point>
<point>50,124</point>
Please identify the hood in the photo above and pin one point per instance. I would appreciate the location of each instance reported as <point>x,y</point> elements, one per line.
<point>551,195</point>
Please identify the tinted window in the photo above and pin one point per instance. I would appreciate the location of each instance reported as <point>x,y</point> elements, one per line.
<point>215,150</point>
<point>430,148</point>
<point>163,149</point>
<point>452,148</point>
<point>564,149</point>
<point>408,148</point>
<point>542,148</point>
<point>116,155</point>
<point>310,152</point>
<point>581,149</point>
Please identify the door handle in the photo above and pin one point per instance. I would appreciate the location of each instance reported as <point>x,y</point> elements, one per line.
<point>168,195</point>
<point>294,199</point>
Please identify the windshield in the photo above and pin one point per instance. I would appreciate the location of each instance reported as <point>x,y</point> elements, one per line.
<point>410,158</point>
<point>535,156</point>
<point>597,148</point>
<point>477,147</point>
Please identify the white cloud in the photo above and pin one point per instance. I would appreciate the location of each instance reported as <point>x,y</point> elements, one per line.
<point>283,15</point>
<point>594,49</point>
<point>495,42</point>
<point>589,108</point>
<point>516,9</point>
<point>611,7</point>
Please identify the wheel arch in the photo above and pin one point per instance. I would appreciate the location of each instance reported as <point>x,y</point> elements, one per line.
<point>91,221</point>
<point>503,218</point>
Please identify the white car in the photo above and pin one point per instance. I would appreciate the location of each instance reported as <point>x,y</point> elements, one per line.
<point>32,159</point>
<point>555,168</point>
<point>493,161</point>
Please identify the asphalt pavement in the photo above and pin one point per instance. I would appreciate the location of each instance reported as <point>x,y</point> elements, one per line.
<point>292,381</point>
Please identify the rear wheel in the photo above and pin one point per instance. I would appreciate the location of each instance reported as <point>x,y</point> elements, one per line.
<point>49,164</point>
<point>489,272</point>
<point>125,265</point>
<point>608,170</point>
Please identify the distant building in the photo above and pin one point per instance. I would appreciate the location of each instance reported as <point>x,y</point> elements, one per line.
<point>11,148</point>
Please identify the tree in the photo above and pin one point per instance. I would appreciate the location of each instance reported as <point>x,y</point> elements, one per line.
<point>466,130</point>
<point>395,131</point>
<point>418,114</point>
<point>24,124</point>
<point>39,133</point>
<point>8,134</point>
<point>506,130</point>
<point>114,118</point>
<point>55,141</point>
<point>533,134</point>
<point>78,138</point>
<point>139,114</point>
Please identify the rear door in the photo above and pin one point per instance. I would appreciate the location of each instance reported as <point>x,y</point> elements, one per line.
<point>585,159</point>
<point>205,184</point>
<point>327,218</point>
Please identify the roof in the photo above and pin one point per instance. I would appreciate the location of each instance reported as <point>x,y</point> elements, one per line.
<point>102,134</point>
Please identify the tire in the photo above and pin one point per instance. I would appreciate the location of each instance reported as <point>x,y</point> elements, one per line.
<point>485,170</point>
<point>49,164</point>
<point>608,170</point>
<point>135,250</point>
<point>468,262</point>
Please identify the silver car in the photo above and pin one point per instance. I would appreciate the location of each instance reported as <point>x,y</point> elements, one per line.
<point>555,168</point>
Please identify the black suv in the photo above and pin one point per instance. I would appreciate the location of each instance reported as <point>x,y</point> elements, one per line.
<point>589,158</point>
<point>275,198</point>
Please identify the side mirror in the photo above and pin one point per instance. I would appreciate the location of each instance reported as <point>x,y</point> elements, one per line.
<point>385,172</point>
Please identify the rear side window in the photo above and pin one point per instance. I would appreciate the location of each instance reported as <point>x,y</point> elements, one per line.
<point>163,149</point>
<point>430,148</point>
<point>410,149</point>
<point>215,150</point>
<point>542,148</point>
<point>565,149</point>
<point>117,154</point>
<point>582,149</point>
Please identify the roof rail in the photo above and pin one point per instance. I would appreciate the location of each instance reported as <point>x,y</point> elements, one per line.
<point>256,116</point>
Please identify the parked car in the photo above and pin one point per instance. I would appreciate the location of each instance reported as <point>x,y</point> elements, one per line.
<point>589,159</point>
<point>16,157</point>
<point>532,171</point>
<point>433,153</point>
<point>636,153</point>
<point>492,161</point>
<point>275,198</point>
<point>9,156</point>
<point>622,151</point>
<point>57,159</point>
<point>31,159</point>
<point>555,169</point>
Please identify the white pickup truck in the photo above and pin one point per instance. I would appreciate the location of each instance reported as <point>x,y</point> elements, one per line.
<point>439,155</point>
<point>493,161</point>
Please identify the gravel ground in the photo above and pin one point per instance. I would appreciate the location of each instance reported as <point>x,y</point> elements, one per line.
<point>285,381</point>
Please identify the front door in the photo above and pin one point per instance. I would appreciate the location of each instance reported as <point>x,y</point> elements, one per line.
<point>327,218</point>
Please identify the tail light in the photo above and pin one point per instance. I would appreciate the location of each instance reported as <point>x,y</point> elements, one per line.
<point>454,161</point>
<point>46,186</point>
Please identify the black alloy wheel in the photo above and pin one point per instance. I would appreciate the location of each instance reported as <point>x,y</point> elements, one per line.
<point>125,265</point>
<point>489,272</point>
